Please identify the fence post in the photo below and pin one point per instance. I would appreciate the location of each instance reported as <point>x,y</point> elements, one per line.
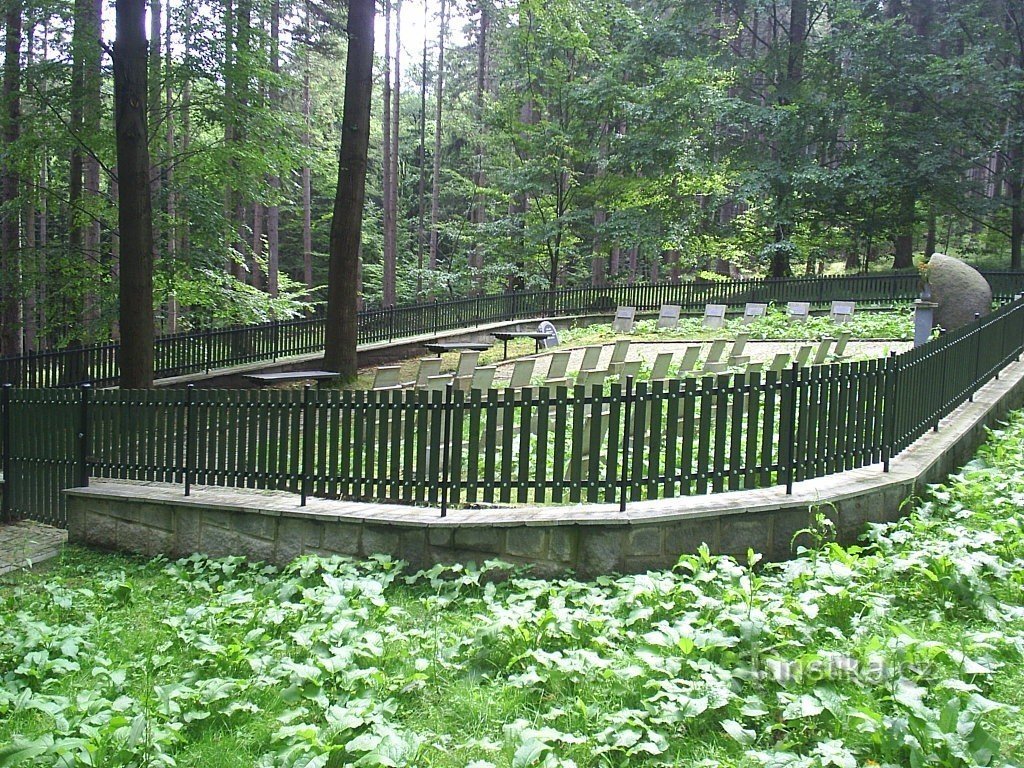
<point>1002,347</point>
<point>626,429</point>
<point>277,338</point>
<point>977,358</point>
<point>209,348</point>
<point>446,447</point>
<point>307,443</point>
<point>787,427</point>
<point>83,436</point>
<point>5,404</point>
<point>889,412</point>
<point>942,399</point>
<point>189,436</point>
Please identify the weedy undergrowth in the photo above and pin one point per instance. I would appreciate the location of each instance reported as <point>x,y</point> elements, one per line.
<point>907,650</point>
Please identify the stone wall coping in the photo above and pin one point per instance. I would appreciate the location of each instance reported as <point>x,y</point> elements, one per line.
<point>916,465</point>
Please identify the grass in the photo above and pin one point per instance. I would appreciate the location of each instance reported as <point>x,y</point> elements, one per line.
<point>907,650</point>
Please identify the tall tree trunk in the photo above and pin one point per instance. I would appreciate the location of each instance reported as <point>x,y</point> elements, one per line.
<point>135,214</point>
<point>420,227</point>
<point>388,276</point>
<point>92,120</point>
<point>44,221</point>
<point>154,116</point>
<point>396,114</point>
<point>307,172</point>
<point>171,245</point>
<point>30,274</point>
<point>274,210</point>
<point>234,47</point>
<point>114,193</point>
<point>904,241</point>
<point>153,119</point>
<point>256,275</point>
<point>478,212</point>
<point>1017,212</point>
<point>672,262</point>
<point>188,35</point>
<point>932,236</point>
<point>598,259</point>
<point>77,305</point>
<point>435,184</point>
<point>346,223</point>
<point>10,188</point>
<point>918,16</point>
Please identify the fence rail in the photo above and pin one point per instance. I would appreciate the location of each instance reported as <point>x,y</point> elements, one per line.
<point>201,351</point>
<point>536,445</point>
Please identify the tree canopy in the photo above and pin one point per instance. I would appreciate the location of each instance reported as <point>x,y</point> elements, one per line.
<point>552,143</point>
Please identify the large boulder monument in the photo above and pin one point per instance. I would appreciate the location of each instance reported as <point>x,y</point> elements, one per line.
<point>959,290</point>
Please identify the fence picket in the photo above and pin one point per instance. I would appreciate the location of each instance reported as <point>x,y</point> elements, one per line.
<point>540,445</point>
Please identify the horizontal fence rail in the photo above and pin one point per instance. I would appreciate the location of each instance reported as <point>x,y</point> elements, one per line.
<point>202,351</point>
<point>619,443</point>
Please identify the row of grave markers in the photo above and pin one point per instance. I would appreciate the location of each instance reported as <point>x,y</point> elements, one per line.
<point>714,314</point>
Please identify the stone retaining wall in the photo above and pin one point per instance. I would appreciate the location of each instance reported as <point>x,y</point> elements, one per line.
<point>588,540</point>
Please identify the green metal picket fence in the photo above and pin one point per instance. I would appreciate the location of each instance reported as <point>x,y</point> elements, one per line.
<point>204,350</point>
<point>616,444</point>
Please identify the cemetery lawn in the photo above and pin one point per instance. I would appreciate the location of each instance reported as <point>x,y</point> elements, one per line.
<point>907,651</point>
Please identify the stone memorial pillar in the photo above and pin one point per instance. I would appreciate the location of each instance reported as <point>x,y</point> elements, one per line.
<point>924,321</point>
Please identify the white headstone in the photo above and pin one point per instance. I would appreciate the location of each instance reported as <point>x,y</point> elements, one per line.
<point>669,316</point>
<point>798,310</point>
<point>551,340</point>
<point>625,319</point>
<point>842,311</point>
<point>714,315</point>
<point>753,311</point>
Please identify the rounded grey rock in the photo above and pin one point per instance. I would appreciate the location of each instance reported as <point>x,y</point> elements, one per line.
<point>959,290</point>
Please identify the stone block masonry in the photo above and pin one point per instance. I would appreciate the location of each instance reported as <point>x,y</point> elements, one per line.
<point>587,540</point>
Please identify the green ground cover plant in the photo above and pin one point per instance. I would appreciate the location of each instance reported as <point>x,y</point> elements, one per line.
<point>907,650</point>
<point>893,324</point>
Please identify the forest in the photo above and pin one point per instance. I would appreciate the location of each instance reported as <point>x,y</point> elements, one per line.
<point>514,144</point>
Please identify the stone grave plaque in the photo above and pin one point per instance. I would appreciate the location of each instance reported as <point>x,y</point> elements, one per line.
<point>798,310</point>
<point>551,340</point>
<point>625,319</point>
<point>714,315</point>
<point>842,311</point>
<point>753,311</point>
<point>669,316</point>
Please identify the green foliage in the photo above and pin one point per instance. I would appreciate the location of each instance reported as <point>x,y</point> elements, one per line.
<point>908,650</point>
<point>895,324</point>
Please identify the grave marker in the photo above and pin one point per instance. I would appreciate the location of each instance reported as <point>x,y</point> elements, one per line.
<point>798,310</point>
<point>753,311</point>
<point>669,316</point>
<point>842,311</point>
<point>714,315</point>
<point>625,319</point>
<point>551,340</point>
